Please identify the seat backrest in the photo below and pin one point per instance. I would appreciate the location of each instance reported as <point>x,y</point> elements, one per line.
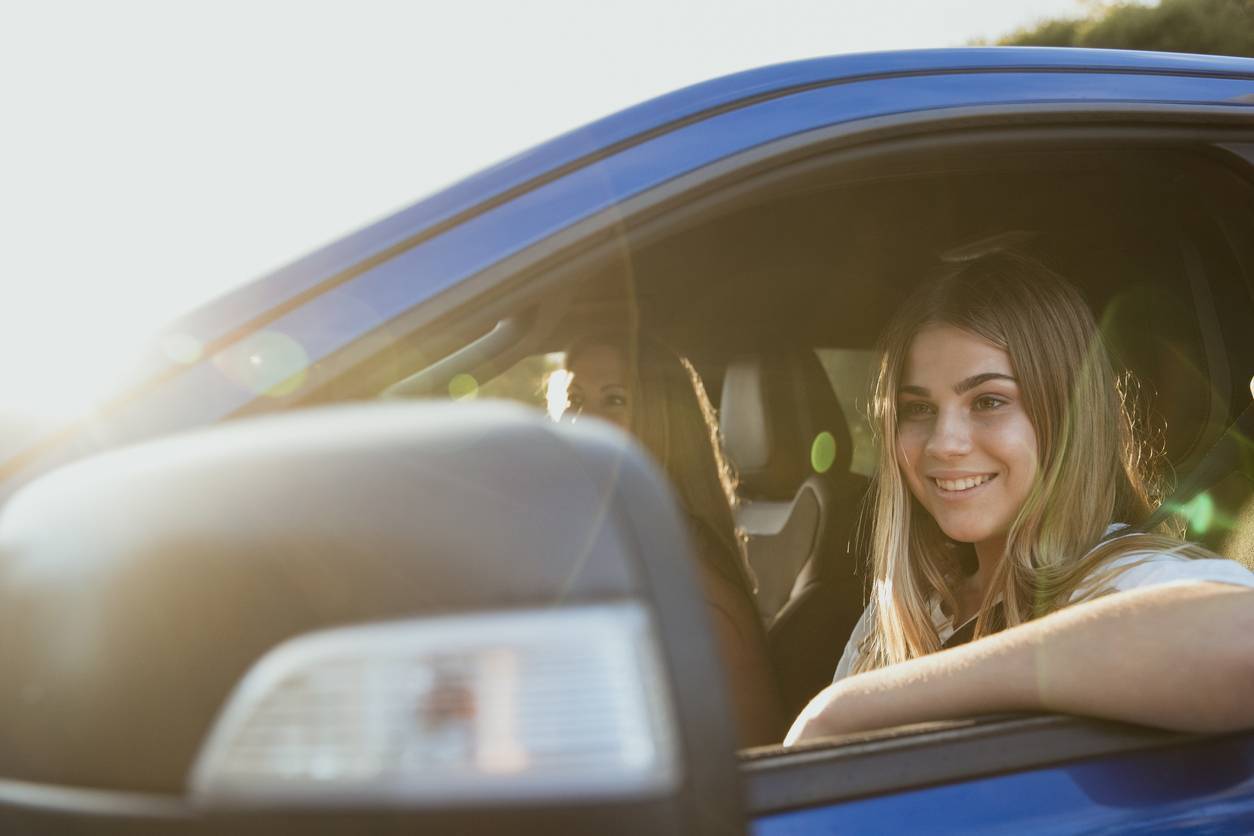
<point>787,436</point>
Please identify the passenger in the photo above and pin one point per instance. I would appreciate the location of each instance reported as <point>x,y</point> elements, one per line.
<point>660,399</point>
<point>1011,492</point>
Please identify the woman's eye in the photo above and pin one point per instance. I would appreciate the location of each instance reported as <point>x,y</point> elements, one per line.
<point>915,409</point>
<point>615,400</point>
<point>986,402</point>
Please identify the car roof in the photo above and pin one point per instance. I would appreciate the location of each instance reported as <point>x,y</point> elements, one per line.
<point>582,146</point>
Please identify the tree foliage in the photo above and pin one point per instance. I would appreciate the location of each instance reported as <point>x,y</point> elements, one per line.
<point>1217,27</point>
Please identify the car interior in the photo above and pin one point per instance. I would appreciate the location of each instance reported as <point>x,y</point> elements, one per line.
<point>776,282</point>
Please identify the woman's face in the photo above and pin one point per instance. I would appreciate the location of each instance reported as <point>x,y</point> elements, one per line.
<point>599,384</point>
<point>966,447</point>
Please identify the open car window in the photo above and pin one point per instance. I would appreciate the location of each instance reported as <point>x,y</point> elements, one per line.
<point>1154,235</point>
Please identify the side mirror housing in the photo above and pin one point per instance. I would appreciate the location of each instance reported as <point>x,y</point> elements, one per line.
<point>461,616</point>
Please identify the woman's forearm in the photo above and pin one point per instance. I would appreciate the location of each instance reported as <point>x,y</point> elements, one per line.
<point>1179,657</point>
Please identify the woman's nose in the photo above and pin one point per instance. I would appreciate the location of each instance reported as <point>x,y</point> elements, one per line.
<point>950,438</point>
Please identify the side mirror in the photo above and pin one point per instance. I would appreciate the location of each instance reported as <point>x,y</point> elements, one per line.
<point>394,616</point>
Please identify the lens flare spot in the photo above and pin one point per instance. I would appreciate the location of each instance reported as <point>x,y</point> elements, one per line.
<point>556,393</point>
<point>181,348</point>
<point>268,363</point>
<point>823,452</point>
<point>1200,513</point>
<point>289,385</point>
<point>463,387</point>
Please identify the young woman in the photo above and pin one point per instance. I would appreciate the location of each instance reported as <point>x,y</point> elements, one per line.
<point>1009,496</point>
<point>648,390</point>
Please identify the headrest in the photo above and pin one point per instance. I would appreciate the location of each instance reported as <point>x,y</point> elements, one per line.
<point>774,410</point>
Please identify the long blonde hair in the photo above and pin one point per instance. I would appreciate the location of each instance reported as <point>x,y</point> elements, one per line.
<point>1094,468</point>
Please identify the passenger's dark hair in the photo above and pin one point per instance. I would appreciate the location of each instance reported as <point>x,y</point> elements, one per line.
<point>671,415</point>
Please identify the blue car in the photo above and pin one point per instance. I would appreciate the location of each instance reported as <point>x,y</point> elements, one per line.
<point>312,572</point>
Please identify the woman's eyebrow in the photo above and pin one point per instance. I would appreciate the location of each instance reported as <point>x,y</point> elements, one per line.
<point>976,379</point>
<point>965,385</point>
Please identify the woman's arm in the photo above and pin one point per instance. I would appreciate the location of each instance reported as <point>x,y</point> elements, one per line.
<point>742,644</point>
<point>1179,656</point>
<point>755,703</point>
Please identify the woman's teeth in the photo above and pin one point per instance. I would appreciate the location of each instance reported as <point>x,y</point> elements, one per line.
<point>963,484</point>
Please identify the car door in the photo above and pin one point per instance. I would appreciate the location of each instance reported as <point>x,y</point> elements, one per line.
<point>997,775</point>
<point>457,281</point>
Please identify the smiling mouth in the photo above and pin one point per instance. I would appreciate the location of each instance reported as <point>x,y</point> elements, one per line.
<point>967,483</point>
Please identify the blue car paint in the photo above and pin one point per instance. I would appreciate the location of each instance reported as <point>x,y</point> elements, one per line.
<point>1194,789</point>
<point>207,391</point>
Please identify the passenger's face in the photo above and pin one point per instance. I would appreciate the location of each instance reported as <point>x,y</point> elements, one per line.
<point>599,384</point>
<point>966,447</point>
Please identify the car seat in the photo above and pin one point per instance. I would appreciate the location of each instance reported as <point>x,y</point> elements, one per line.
<point>799,510</point>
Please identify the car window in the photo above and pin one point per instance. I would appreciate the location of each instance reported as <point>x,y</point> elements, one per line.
<point>826,267</point>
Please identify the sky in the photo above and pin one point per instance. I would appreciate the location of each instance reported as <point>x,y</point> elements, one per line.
<point>157,154</point>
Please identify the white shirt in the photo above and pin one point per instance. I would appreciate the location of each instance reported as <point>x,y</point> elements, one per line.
<point>1152,569</point>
